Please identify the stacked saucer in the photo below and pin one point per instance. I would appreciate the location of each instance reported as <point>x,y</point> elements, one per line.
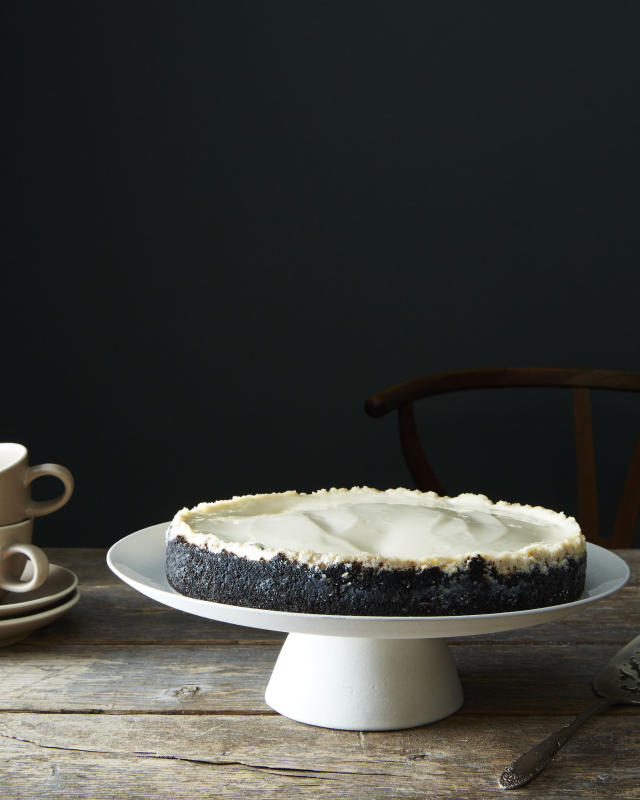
<point>21,613</point>
<point>33,592</point>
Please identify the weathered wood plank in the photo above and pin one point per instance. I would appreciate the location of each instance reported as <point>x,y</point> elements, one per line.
<point>88,563</point>
<point>497,679</point>
<point>79,756</point>
<point>118,614</point>
<point>120,678</point>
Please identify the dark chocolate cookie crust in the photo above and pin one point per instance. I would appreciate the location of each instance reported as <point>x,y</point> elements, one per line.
<point>281,584</point>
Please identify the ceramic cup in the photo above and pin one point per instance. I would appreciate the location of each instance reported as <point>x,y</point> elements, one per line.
<point>16,477</point>
<point>15,550</point>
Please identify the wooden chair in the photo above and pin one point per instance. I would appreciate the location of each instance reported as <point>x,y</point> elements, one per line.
<point>402,397</point>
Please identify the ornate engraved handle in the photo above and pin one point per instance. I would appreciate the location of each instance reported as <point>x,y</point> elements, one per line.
<point>525,768</point>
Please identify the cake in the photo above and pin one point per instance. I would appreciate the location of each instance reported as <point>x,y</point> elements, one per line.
<point>362,551</point>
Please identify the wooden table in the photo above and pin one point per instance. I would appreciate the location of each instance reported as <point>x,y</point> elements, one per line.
<point>124,698</point>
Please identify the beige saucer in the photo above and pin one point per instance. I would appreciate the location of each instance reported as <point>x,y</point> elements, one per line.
<point>13,630</point>
<point>60,582</point>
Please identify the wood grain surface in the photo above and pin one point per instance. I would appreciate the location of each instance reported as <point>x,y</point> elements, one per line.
<point>123,698</point>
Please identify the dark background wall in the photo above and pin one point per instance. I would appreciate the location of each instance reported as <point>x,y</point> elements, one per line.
<point>228,223</point>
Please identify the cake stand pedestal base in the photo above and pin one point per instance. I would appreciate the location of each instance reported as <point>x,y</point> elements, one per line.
<point>364,684</point>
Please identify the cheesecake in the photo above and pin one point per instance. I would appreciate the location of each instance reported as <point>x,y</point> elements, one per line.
<point>367,552</point>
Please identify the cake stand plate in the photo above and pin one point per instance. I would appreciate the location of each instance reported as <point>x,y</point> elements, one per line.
<point>356,673</point>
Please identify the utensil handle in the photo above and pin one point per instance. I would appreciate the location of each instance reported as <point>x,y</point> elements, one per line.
<point>525,768</point>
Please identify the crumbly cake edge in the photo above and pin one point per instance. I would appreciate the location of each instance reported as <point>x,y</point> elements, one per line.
<point>282,585</point>
<point>522,560</point>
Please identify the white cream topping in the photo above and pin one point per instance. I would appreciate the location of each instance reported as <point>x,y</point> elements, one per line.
<point>388,529</point>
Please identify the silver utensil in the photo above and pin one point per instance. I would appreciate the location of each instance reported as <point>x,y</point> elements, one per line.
<point>617,682</point>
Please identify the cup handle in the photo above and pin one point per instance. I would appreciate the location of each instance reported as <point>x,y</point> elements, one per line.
<point>37,508</point>
<point>40,567</point>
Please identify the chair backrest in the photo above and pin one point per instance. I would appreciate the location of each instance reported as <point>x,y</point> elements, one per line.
<point>581,382</point>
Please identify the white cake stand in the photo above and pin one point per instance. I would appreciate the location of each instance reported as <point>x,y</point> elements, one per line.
<point>356,673</point>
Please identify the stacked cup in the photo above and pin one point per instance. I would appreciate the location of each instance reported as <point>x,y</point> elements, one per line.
<point>27,582</point>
